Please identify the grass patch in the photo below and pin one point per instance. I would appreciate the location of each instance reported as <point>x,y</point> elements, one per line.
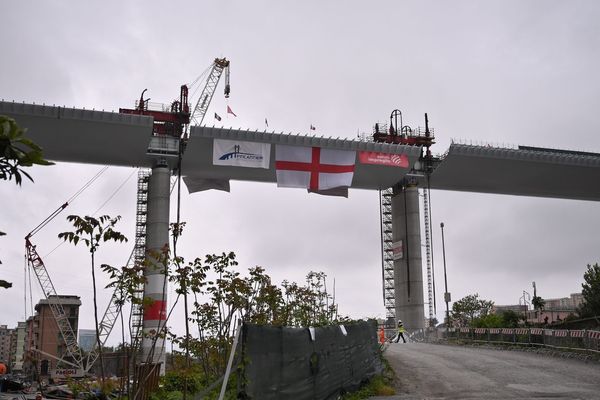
<point>378,386</point>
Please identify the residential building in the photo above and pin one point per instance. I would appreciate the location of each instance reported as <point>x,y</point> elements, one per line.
<point>518,308</point>
<point>556,310</point>
<point>87,339</point>
<point>31,357</point>
<point>564,303</point>
<point>5,341</point>
<point>18,350</point>
<point>46,342</point>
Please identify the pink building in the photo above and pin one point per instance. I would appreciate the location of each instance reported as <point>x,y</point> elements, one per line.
<point>43,341</point>
<point>556,310</point>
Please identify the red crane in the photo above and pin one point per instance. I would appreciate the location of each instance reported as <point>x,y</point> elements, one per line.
<point>172,120</point>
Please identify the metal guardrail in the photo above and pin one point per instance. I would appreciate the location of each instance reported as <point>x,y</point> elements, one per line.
<point>585,340</point>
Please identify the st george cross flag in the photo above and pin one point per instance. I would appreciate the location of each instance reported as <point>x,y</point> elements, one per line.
<point>313,168</point>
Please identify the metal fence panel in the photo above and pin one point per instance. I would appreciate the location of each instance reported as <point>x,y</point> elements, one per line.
<point>559,338</point>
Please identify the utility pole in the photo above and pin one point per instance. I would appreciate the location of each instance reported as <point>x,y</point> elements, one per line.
<point>446,293</point>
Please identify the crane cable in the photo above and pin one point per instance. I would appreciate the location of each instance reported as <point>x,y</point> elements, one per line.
<point>114,193</point>
<point>44,223</point>
<point>62,207</point>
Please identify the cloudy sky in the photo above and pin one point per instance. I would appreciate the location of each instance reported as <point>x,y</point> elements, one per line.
<point>514,72</point>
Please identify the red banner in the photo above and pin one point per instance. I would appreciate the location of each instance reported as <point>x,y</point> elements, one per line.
<point>389,160</point>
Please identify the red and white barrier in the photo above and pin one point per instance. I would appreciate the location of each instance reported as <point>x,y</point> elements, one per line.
<point>508,331</point>
<point>594,334</point>
<point>537,331</point>
<point>479,330</point>
<point>577,333</point>
<point>561,333</point>
<point>521,331</point>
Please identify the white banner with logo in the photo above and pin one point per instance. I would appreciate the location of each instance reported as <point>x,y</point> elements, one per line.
<point>241,154</point>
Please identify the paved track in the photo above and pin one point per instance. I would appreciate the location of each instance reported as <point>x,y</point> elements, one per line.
<point>430,371</point>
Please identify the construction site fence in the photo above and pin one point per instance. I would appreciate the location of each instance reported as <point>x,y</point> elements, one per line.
<point>582,340</point>
<point>307,363</point>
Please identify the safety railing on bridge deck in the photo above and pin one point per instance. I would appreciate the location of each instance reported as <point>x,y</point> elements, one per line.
<point>586,340</point>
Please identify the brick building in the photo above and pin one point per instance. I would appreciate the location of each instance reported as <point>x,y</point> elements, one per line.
<point>43,339</point>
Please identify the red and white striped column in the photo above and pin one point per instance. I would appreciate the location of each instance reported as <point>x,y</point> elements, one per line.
<point>155,288</point>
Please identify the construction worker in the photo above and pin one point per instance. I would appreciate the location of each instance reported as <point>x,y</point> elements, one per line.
<point>401,331</point>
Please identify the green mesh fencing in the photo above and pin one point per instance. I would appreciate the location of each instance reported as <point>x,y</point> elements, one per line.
<point>285,363</point>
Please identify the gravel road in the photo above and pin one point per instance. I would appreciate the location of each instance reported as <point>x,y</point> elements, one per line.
<point>433,371</point>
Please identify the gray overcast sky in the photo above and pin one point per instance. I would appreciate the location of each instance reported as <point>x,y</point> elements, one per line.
<point>517,72</point>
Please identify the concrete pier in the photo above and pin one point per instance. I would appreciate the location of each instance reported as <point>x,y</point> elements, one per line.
<point>408,273</point>
<point>157,241</point>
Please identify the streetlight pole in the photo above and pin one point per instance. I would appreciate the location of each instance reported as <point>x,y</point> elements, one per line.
<point>446,294</point>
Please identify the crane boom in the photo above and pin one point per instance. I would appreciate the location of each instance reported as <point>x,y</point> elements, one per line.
<point>58,311</point>
<point>105,327</point>
<point>219,65</point>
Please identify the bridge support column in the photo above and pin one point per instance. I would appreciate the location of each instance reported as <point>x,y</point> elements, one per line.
<point>408,274</point>
<point>155,288</point>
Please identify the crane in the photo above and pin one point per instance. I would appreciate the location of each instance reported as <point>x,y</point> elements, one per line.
<point>74,355</point>
<point>219,66</point>
<point>58,312</point>
<point>170,121</point>
<point>173,120</point>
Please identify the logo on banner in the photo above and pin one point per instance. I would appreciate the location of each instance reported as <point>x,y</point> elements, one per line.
<point>386,159</point>
<point>397,250</point>
<point>241,154</point>
<point>237,154</point>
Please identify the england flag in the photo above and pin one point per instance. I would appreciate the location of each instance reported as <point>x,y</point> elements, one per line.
<point>314,168</point>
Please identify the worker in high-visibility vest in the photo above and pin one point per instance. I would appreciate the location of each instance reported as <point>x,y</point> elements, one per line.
<point>401,331</point>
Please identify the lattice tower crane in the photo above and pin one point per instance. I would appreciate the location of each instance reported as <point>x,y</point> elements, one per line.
<point>35,262</point>
<point>171,121</point>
